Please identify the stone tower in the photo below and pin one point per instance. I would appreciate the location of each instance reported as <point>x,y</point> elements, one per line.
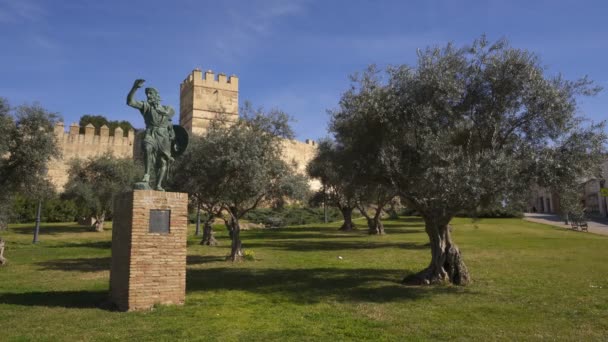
<point>203,98</point>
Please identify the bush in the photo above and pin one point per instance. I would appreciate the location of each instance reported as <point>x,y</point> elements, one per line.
<point>53,210</point>
<point>494,213</point>
<point>248,255</point>
<point>482,213</point>
<point>292,216</point>
<point>56,210</point>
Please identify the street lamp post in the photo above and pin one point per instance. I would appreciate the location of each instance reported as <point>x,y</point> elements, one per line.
<point>324,204</point>
<point>37,227</point>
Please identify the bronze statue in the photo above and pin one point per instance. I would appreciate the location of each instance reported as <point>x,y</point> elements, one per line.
<point>160,143</point>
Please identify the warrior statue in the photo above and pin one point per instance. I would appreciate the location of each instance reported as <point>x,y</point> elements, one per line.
<point>162,141</point>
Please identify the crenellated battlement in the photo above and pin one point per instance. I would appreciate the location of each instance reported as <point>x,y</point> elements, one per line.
<point>74,145</point>
<point>73,136</point>
<point>205,98</point>
<point>209,79</point>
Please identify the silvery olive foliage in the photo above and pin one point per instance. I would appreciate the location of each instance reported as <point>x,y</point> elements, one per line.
<point>28,143</point>
<point>234,168</point>
<point>466,128</point>
<point>332,167</point>
<point>93,183</point>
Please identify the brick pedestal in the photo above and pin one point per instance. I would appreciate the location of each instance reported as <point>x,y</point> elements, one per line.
<point>148,253</point>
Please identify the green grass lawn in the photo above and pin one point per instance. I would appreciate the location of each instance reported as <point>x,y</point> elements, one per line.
<point>531,282</point>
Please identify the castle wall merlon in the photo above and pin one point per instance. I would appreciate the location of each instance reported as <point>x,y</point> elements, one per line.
<point>209,79</point>
<point>73,137</point>
<point>59,130</point>
<point>221,78</point>
<point>118,136</point>
<point>74,129</point>
<point>209,76</point>
<point>234,81</point>
<point>195,78</point>
<point>104,131</point>
<point>89,133</point>
<point>221,82</point>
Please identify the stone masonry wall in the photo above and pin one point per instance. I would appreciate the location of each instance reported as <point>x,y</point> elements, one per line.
<point>301,153</point>
<point>82,146</point>
<point>148,268</point>
<point>203,98</point>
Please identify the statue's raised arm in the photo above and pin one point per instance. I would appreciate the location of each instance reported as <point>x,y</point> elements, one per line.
<point>130,101</point>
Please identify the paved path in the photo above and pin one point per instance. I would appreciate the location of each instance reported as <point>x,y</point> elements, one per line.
<point>596,226</point>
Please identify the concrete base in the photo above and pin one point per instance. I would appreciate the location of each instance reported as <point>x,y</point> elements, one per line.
<point>149,233</point>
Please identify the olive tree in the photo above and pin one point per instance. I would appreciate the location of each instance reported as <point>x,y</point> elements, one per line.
<point>571,166</point>
<point>197,175</point>
<point>466,128</point>
<point>94,182</point>
<point>331,167</point>
<point>233,169</point>
<point>372,201</point>
<point>28,143</point>
<point>359,142</point>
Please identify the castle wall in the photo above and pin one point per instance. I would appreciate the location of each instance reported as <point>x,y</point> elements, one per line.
<point>204,98</point>
<point>301,153</point>
<point>82,146</point>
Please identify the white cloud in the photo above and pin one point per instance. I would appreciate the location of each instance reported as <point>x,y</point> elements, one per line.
<point>43,42</point>
<point>247,25</point>
<point>14,11</point>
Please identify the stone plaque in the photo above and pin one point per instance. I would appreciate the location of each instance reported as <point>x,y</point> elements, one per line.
<point>160,220</point>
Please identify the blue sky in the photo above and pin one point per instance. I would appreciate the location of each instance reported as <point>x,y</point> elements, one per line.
<point>81,57</point>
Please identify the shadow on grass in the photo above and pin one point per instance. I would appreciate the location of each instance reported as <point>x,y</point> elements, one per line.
<point>417,219</point>
<point>52,230</point>
<point>325,233</point>
<point>203,259</point>
<point>64,299</point>
<point>315,246</point>
<point>279,235</point>
<point>294,233</point>
<point>88,244</point>
<point>77,265</point>
<point>103,264</point>
<point>316,285</point>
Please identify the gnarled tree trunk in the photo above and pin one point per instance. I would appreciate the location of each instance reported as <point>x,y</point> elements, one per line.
<point>348,225</point>
<point>2,258</point>
<point>198,221</point>
<point>208,234</point>
<point>236,253</point>
<point>446,263</point>
<point>99,220</point>
<point>229,226</point>
<point>375,226</point>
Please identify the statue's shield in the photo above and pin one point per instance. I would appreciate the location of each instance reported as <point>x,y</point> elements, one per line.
<point>181,141</point>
